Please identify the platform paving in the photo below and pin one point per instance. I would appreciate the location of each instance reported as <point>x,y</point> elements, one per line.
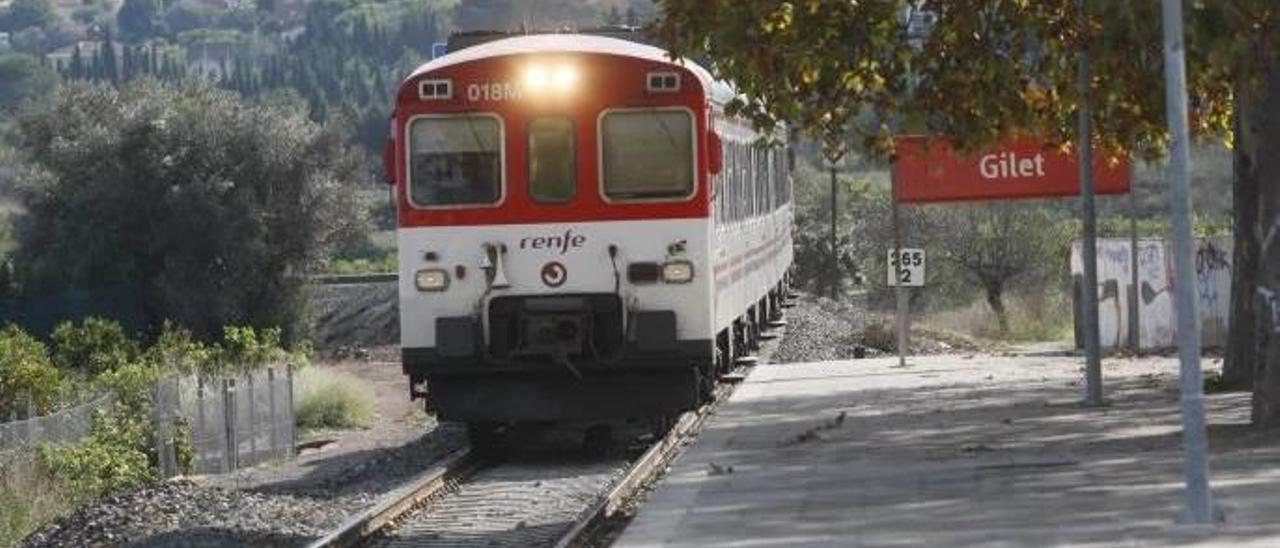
<point>958,451</point>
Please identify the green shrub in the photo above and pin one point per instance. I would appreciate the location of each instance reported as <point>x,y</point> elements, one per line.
<point>332,400</point>
<point>26,374</point>
<point>113,458</point>
<point>177,350</point>
<point>94,347</point>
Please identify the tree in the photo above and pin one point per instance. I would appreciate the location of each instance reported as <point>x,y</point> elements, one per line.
<point>998,244</point>
<point>23,77</point>
<point>512,15</point>
<point>213,210</point>
<point>991,69</point>
<point>137,19</point>
<point>24,14</point>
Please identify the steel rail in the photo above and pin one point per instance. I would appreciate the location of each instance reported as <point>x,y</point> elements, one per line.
<point>454,468</point>
<point>645,469</point>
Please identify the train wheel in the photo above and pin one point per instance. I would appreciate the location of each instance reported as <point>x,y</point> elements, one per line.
<point>707,376</point>
<point>724,352</point>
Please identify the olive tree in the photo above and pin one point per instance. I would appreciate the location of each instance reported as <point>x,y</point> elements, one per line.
<point>211,209</point>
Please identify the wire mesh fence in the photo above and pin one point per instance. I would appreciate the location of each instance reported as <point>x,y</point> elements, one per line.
<point>230,423</point>
<point>233,422</point>
<point>25,431</point>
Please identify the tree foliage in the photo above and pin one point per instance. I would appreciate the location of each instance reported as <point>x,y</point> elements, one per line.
<point>988,69</point>
<point>511,15</point>
<point>212,209</point>
<point>137,18</point>
<point>24,14</point>
<point>997,245</point>
<point>27,376</point>
<point>23,77</point>
<point>93,347</point>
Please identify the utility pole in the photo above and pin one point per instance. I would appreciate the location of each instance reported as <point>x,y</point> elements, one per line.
<point>1089,293</point>
<point>1195,464</point>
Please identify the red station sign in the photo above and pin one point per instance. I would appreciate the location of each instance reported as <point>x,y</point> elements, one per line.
<point>930,170</point>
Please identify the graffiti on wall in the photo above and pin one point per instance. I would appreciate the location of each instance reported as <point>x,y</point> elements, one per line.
<point>1155,326</point>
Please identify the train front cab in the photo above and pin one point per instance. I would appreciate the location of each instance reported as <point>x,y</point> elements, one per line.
<point>555,247</point>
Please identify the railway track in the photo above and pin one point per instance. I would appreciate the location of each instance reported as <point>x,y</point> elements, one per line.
<point>548,501</point>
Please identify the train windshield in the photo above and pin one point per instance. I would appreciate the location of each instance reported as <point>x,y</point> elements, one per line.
<point>551,160</point>
<point>647,154</point>
<point>455,161</point>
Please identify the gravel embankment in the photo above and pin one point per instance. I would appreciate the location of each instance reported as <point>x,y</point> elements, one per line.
<point>270,508</point>
<point>183,513</point>
<point>356,315</point>
<point>822,329</point>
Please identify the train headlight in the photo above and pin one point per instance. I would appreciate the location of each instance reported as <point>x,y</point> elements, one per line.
<point>432,279</point>
<point>677,272</point>
<point>538,78</point>
<point>565,77</point>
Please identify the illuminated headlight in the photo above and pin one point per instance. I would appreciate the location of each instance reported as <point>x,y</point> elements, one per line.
<point>432,279</point>
<point>538,77</point>
<point>677,272</point>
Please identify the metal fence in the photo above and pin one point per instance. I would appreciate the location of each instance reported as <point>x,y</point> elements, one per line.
<point>28,431</point>
<point>233,422</point>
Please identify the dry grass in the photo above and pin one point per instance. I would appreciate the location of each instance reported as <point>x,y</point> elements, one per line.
<point>329,399</point>
<point>29,498</point>
<point>1031,319</point>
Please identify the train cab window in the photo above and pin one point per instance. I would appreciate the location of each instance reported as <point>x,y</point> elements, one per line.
<point>647,154</point>
<point>552,168</point>
<point>455,161</point>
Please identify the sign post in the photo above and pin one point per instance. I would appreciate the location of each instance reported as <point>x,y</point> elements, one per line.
<point>900,290</point>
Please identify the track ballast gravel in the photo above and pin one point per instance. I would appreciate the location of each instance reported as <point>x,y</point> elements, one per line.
<point>513,505</point>
<point>182,513</point>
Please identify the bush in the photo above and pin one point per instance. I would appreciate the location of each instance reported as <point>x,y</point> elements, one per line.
<point>94,347</point>
<point>332,400</point>
<point>113,458</point>
<point>27,375</point>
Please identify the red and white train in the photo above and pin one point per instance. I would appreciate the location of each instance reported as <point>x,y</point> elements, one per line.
<point>583,232</point>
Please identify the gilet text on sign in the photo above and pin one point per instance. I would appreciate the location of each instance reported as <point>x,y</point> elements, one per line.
<point>931,170</point>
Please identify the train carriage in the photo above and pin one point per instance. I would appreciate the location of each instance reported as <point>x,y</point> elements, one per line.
<point>584,233</point>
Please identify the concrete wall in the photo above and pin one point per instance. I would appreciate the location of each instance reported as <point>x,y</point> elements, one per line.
<point>1156,329</point>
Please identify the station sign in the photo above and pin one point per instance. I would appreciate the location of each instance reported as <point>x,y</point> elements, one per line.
<point>931,170</point>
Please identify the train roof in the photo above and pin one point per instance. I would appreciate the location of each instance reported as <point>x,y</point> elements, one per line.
<point>720,91</point>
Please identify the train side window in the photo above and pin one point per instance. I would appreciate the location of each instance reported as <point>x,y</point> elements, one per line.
<point>455,160</point>
<point>552,165</point>
<point>647,154</point>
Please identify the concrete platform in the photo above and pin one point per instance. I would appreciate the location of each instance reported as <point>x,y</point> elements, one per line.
<point>958,451</point>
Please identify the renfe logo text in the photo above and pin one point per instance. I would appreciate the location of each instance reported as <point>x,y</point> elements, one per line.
<point>561,243</point>
<point>1008,165</point>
